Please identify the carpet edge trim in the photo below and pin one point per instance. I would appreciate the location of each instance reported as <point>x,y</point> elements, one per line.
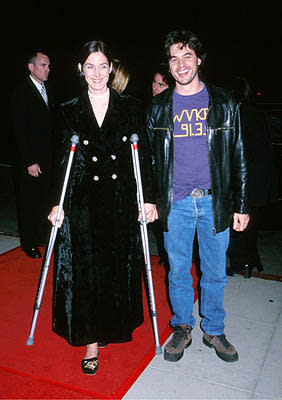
<point>55,383</point>
<point>134,375</point>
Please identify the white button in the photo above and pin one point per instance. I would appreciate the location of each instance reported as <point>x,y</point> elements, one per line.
<point>94,159</point>
<point>85,142</point>
<point>113,156</point>
<point>114,176</point>
<point>124,138</point>
<point>96,178</point>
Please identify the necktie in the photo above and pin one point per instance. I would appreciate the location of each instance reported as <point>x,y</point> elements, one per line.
<point>44,94</point>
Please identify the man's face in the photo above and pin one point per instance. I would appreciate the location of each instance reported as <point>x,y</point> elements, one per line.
<point>39,69</point>
<point>184,64</point>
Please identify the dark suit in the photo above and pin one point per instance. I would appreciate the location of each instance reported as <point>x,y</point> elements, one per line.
<point>32,133</point>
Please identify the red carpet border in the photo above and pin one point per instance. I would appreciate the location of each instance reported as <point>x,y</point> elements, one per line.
<point>50,369</point>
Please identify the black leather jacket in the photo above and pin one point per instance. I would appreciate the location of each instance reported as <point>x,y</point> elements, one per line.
<point>225,149</point>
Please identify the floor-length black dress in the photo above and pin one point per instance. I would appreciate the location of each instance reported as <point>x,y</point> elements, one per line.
<point>98,257</point>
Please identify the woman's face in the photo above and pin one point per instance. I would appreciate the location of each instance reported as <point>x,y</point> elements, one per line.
<point>158,84</point>
<point>96,70</point>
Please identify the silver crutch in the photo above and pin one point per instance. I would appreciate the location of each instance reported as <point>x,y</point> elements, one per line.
<point>29,342</point>
<point>144,234</point>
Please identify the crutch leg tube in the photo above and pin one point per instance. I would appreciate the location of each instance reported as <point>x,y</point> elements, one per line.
<point>144,235</point>
<point>30,340</point>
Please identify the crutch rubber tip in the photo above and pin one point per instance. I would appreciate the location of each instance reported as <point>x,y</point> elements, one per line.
<point>158,350</point>
<point>29,341</point>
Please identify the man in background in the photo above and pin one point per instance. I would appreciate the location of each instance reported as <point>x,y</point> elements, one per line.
<point>32,106</point>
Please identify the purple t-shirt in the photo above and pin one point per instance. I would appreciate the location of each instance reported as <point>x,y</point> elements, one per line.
<point>191,165</point>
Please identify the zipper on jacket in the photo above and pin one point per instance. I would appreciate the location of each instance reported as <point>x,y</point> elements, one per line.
<point>171,196</point>
<point>214,228</point>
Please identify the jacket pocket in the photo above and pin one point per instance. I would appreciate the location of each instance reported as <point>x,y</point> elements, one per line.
<point>162,137</point>
<point>162,130</point>
<point>223,128</point>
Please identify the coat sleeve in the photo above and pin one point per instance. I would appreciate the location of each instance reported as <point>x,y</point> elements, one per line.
<point>239,166</point>
<point>144,155</point>
<point>61,146</point>
<point>20,114</point>
<point>150,136</point>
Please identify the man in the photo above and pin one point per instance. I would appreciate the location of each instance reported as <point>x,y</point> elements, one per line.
<point>200,169</point>
<point>32,105</point>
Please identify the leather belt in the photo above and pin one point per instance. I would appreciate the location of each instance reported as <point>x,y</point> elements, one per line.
<point>198,193</point>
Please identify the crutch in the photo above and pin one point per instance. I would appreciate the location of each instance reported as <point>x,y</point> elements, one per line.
<point>29,342</point>
<point>144,234</point>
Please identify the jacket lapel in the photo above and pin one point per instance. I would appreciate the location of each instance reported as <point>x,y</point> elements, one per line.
<point>111,135</point>
<point>36,93</point>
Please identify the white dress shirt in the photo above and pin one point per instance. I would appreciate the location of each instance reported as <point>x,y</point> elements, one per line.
<point>39,88</point>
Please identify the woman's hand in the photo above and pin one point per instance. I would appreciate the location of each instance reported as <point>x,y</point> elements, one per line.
<point>53,214</point>
<point>151,213</point>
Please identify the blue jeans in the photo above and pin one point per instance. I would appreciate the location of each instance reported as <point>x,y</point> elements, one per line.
<point>185,217</point>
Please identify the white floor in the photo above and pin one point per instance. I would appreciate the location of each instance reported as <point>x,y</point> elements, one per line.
<point>8,243</point>
<point>253,325</point>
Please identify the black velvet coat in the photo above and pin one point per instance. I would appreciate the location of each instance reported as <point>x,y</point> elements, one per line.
<point>98,255</point>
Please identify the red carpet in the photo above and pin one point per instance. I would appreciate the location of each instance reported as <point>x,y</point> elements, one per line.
<point>50,369</point>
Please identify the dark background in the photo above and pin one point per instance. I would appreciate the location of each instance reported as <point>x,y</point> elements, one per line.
<point>241,39</point>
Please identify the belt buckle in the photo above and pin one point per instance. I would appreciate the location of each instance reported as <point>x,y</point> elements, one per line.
<point>197,193</point>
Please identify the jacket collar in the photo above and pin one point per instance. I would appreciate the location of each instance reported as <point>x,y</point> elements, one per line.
<point>215,96</point>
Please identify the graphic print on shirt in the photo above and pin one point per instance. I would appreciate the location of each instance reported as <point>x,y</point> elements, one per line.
<point>190,122</point>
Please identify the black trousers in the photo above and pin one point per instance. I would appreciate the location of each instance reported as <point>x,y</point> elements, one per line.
<point>243,246</point>
<point>32,208</point>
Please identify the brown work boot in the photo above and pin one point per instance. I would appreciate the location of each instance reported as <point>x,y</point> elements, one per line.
<point>224,349</point>
<point>181,339</point>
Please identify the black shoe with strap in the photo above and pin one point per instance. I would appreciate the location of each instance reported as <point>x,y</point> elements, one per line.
<point>89,366</point>
<point>248,269</point>
<point>181,339</point>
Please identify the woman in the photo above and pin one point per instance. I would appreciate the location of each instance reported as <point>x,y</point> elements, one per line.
<point>262,183</point>
<point>97,283</point>
<point>121,77</point>
<point>161,81</point>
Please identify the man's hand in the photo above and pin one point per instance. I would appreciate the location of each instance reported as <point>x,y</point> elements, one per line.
<point>34,170</point>
<point>240,222</point>
<point>151,213</point>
